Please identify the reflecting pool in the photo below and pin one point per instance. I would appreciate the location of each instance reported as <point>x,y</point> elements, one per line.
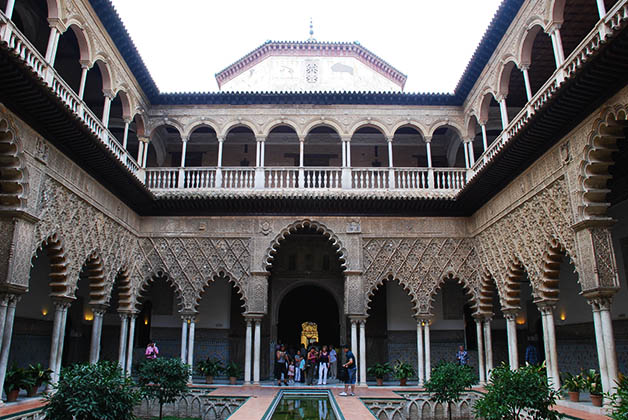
<point>304,406</point>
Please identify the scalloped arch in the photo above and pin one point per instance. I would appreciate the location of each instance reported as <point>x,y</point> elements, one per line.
<point>144,285</point>
<point>221,274</point>
<point>466,287</point>
<point>54,247</point>
<point>391,278</point>
<point>14,174</point>
<point>272,250</point>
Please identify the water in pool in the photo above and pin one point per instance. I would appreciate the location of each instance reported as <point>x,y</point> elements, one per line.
<point>304,408</point>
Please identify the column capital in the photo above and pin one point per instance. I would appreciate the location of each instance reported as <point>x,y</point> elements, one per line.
<point>144,139</point>
<point>524,67</point>
<point>98,309</point>
<point>301,138</point>
<point>511,314</point>
<point>600,303</point>
<point>260,138</point>
<point>467,140</point>
<point>345,138</point>
<point>108,93</point>
<point>500,98</point>
<point>221,139</point>
<point>423,319</point>
<point>127,120</point>
<point>123,315</point>
<point>188,316</point>
<point>185,139</point>
<point>85,64</point>
<point>62,302</point>
<point>546,307</point>
<point>358,318</point>
<point>252,317</point>
<point>389,139</point>
<point>427,139</point>
<point>553,27</point>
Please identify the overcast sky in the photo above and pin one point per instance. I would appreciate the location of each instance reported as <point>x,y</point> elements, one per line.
<point>184,43</point>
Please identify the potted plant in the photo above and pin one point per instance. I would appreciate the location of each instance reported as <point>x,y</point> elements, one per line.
<point>594,385</point>
<point>573,384</point>
<point>16,379</point>
<point>233,371</point>
<point>379,370</point>
<point>210,368</point>
<point>403,371</point>
<point>39,375</point>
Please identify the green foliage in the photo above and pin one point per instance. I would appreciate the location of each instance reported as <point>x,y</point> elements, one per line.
<point>592,381</point>
<point>233,370</point>
<point>92,392</point>
<point>39,374</point>
<point>210,367</point>
<point>379,370</point>
<point>448,381</point>
<point>17,378</point>
<point>573,383</point>
<point>510,392</point>
<point>403,370</point>
<point>164,380</point>
<point>619,401</point>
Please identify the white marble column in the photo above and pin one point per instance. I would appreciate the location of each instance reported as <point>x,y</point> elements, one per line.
<point>191,346</point>
<point>557,44</point>
<point>428,357</point>
<point>4,305</point>
<point>363,352</point>
<point>7,334</point>
<point>145,154</point>
<point>526,81</point>
<point>221,142</point>
<point>484,137</point>
<point>420,354</point>
<point>348,152</point>
<point>125,136</point>
<point>106,109</point>
<point>301,151</point>
<point>389,140</point>
<point>481,367</point>
<point>184,339</point>
<point>511,331</point>
<point>466,154</point>
<point>247,352</point>
<point>8,11</point>
<point>140,152</point>
<point>428,151</point>
<point>94,350</point>
<point>601,348</point>
<point>184,148</point>
<point>58,337</point>
<point>84,70</point>
<point>551,355</point>
<point>471,152</point>
<point>601,8</point>
<point>124,328</point>
<point>256,350</point>
<point>354,339</point>
<point>131,344</point>
<point>503,109</point>
<point>609,342</point>
<point>51,49</point>
<point>488,346</point>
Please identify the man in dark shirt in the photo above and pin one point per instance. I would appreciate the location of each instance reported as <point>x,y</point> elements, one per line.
<point>532,355</point>
<point>351,371</point>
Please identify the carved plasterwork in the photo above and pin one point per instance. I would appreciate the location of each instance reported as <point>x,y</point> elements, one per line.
<point>420,265</point>
<point>83,231</point>
<point>190,264</point>
<point>526,233</point>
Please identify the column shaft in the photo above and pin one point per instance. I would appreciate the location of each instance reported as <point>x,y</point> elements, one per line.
<point>601,8</point>
<point>301,151</point>
<point>125,137</point>
<point>420,355</point>
<point>184,340</point>
<point>124,328</point>
<point>471,153</point>
<point>54,345</point>
<point>390,154</point>
<point>551,335</point>
<point>9,9</point>
<point>184,146</point>
<point>145,154</point>
<point>247,352</point>
<point>609,346</point>
<point>52,46</point>
<point>513,351</point>
<point>4,304</point>
<point>220,145</point>
<point>191,346</point>
<point>466,155</point>
<point>548,352</point>
<point>348,153</point>
<point>256,351</point>
<point>503,108</point>
<point>94,350</point>
<point>488,346</point>
<point>131,345</point>
<point>363,352</point>
<point>428,148</point>
<point>81,91</point>
<point>601,348</point>
<point>428,360</point>
<point>526,81</point>
<point>263,157</point>
<point>140,152</point>
<point>6,338</point>
<point>64,318</point>
<point>484,139</point>
<point>354,340</point>
<point>481,367</point>
<point>105,111</point>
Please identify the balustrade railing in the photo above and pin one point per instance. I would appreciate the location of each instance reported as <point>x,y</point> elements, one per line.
<point>615,20</point>
<point>449,179</point>
<point>281,178</point>
<point>238,178</point>
<point>411,178</point>
<point>369,178</point>
<point>197,178</point>
<point>23,48</point>
<point>322,177</point>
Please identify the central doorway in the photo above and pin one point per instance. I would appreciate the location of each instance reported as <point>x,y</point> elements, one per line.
<point>308,303</point>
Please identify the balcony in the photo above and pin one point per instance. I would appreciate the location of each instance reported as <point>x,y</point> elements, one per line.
<point>445,180</point>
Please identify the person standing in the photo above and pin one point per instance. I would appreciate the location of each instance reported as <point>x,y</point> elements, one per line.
<point>462,356</point>
<point>351,371</point>
<point>280,365</point>
<point>323,366</point>
<point>333,363</point>
<point>151,351</point>
<point>312,356</point>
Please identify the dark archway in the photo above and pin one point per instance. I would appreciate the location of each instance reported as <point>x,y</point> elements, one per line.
<point>308,303</point>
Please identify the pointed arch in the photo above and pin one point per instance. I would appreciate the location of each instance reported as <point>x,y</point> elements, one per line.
<point>144,286</point>
<point>13,172</point>
<point>225,275</point>
<point>272,250</point>
<point>55,249</point>
<point>467,289</point>
<point>391,278</point>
